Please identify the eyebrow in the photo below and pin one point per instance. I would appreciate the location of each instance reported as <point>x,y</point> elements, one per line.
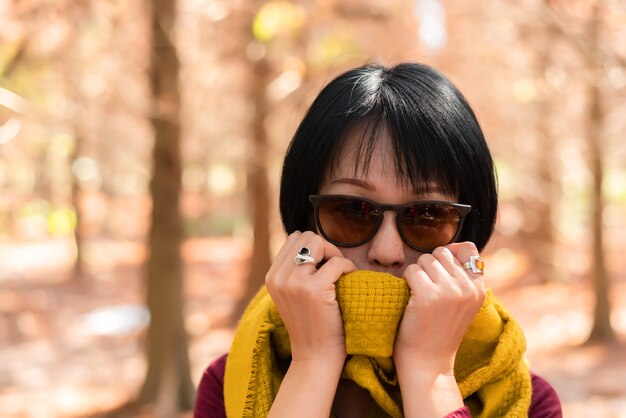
<point>367,186</point>
<point>356,182</point>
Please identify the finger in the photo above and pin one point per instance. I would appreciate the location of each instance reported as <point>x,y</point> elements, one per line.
<point>433,268</point>
<point>452,266</point>
<point>463,251</point>
<point>461,277</point>
<point>285,252</point>
<point>285,267</point>
<point>320,249</point>
<point>479,284</point>
<point>448,260</point>
<point>417,279</point>
<point>335,267</point>
<point>314,246</point>
<point>330,250</point>
<point>287,249</point>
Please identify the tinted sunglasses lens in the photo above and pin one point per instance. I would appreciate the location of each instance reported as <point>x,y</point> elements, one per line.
<point>428,226</point>
<point>347,221</point>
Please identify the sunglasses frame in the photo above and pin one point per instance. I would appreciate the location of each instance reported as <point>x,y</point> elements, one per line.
<point>462,209</point>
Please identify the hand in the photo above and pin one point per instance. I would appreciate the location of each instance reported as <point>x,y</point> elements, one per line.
<point>444,300</point>
<point>305,297</point>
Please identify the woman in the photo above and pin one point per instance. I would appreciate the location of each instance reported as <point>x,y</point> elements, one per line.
<point>388,194</point>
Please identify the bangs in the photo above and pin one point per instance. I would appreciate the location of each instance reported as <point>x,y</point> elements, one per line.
<point>419,161</point>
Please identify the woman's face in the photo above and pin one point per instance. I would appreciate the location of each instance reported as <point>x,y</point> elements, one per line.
<point>386,251</point>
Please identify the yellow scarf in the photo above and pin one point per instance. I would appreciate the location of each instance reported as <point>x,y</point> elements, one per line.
<point>490,371</point>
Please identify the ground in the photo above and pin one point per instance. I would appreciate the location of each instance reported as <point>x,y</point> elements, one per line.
<point>72,345</point>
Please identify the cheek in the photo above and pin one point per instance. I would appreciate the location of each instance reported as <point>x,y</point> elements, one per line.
<point>358,255</point>
<point>411,255</point>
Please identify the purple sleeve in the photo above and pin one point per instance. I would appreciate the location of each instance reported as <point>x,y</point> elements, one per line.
<point>545,402</point>
<point>210,395</point>
<point>460,413</point>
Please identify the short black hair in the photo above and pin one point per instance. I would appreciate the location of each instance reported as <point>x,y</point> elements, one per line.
<point>435,136</point>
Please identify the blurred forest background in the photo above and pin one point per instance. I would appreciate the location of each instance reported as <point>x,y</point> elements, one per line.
<point>140,152</point>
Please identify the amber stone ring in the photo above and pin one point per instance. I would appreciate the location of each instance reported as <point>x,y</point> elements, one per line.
<point>476,265</point>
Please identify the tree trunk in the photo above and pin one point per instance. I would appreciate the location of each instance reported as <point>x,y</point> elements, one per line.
<point>542,243</point>
<point>540,237</point>
<point>168,380</point>
<point>601,331</point>
<point>258,189</point>
<point>79,264</point>
<point>77,116</point>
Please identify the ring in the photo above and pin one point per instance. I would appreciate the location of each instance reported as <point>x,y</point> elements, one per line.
<point>476,265</point>
<point>304,257</point>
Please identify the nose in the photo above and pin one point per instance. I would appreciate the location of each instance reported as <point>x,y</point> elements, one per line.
<point>387,248</point>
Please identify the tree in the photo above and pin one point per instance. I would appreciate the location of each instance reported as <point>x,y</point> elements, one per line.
<point>168,380</point>
<point>258,188</point>
<point>601,331</point>
<point>257,177</point>
<point>73,93</point>
<point>593,52</point>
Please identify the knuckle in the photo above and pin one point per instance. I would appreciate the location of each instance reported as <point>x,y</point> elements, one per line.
<point>271,287</point>
<point>459,271</point>
<point>477,287</point>
<point>293,286</point>
<point>305,291</point>
<point>411,269</point>
<point>309,234</point>
<point>470,245</point>
<point>425,259</point>
<point>456,293</point>
<point>317,240</point>
<point>468,294</point>
<point>482,290</point>
<point>479,300</point>
<point>295,234</point>
<point>333,260</point>
<point>337,260</point>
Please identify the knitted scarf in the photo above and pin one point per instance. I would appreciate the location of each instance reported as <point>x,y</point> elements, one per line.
<point>490,371</point>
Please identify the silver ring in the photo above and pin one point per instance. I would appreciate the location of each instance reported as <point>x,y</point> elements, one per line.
<point>304,257</point>
<point>476,265</point>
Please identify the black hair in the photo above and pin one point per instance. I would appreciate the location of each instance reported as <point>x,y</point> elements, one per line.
<point>435,137</point>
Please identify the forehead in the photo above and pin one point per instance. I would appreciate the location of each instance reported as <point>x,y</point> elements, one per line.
<point>372,169</point>
<point>358,156</point>
<point>369,151</point>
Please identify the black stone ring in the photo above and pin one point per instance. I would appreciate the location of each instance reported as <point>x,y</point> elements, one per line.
<point>304,257</point>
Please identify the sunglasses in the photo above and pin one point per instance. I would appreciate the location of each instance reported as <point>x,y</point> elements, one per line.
<point>350,221</point>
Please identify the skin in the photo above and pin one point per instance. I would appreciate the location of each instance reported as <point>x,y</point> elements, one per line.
<point>444,300</point>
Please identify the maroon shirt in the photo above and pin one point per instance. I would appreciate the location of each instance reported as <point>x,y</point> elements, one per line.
<point>545,402</point>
